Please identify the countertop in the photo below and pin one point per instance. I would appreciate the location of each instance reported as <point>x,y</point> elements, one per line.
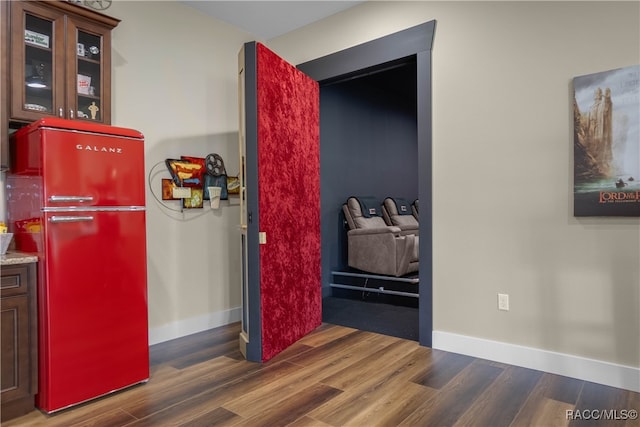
<point>15,257</point>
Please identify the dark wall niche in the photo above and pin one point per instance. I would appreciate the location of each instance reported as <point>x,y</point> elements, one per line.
<point>368,146</point>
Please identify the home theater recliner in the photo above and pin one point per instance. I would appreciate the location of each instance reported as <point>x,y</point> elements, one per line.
<point>398,212</point>
<point>375,247</point>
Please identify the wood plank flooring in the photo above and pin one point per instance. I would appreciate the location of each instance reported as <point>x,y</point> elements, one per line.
<point>338,376</point>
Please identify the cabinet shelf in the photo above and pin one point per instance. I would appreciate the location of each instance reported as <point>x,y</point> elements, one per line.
<point>38,47</point>
<point>89,60</point>
<point>93,97</point>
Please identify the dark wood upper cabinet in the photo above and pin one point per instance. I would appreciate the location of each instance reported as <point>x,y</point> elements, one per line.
<point>60,62</point>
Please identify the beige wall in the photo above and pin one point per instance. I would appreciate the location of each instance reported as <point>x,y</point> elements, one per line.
<point>175,79</point>
<point>502,155</point>
<point>502,146</point>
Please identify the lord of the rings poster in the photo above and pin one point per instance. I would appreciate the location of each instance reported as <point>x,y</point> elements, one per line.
<point>606,143</point>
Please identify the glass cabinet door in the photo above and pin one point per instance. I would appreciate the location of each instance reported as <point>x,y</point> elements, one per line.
<point>86,101</point>
<point>60,62</point>
<point>36,83</point>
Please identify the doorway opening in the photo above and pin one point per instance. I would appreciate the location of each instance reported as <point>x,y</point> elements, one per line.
<point>375,140</point>
<point>368,131</point>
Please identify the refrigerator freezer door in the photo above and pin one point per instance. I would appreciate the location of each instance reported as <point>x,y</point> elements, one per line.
<point>81,168</point>
<point>84,126</point>
<point>94,339</point>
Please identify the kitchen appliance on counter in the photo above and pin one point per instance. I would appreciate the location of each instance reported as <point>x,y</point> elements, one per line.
<point>76,197</point>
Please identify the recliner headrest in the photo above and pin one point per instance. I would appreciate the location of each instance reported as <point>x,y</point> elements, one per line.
<point>369,206</point>
<point>402,206</point>
<point>363,212</point>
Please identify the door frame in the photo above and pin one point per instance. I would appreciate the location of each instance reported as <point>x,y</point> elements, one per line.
<point>416,42</point>
<point>250,339</point>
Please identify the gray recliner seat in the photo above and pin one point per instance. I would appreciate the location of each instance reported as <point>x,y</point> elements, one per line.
<point>398,212</point>
<point>375,247</point>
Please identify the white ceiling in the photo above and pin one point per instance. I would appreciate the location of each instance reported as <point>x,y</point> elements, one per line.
<point>269,19</point>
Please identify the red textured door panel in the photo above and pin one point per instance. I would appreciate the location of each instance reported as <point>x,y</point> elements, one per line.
<point>283,203</point>
<point>289,202</point>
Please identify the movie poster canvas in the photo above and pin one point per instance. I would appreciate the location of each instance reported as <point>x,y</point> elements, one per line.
<point>607,143</point>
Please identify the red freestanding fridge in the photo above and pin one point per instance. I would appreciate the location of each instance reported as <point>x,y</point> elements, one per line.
<point>76,197</point>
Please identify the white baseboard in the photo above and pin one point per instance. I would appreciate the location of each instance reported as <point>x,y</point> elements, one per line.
<point>611,374</point>
<point>192,325</point>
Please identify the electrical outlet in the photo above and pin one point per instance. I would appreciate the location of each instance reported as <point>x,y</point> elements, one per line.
<point>503,302</point>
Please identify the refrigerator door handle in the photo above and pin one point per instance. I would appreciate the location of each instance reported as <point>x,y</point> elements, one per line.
<point>71,199</point>
<point>62,218</point>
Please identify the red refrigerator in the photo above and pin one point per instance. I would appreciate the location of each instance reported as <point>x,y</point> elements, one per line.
<point>76,197</point>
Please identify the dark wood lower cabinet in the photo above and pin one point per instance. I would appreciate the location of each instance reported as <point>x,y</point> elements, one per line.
<point>18,351</point>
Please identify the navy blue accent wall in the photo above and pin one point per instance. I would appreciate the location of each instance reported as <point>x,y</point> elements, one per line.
<point>369,147</point>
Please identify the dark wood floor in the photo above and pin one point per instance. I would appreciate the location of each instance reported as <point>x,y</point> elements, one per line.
<point>338,376</point>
